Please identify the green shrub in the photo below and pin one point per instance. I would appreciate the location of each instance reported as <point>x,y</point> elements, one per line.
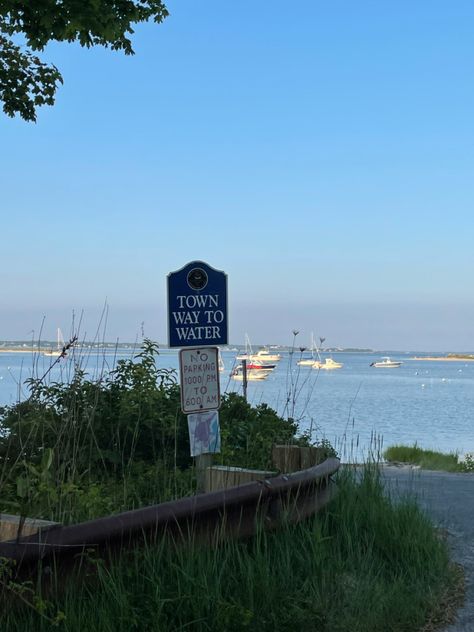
<point>89,447</point>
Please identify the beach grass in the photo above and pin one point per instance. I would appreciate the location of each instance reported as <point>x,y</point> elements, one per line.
<point>76,451</point>
<point>363,564</point>
<point>427,459</point>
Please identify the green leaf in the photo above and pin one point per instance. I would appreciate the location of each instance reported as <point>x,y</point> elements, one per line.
<point>47,459</point>
<point>22,487</point>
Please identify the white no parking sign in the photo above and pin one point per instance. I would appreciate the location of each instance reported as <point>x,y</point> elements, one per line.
<point>199,371</point>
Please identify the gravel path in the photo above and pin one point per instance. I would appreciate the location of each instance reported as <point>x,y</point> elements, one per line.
<point>449,500</point>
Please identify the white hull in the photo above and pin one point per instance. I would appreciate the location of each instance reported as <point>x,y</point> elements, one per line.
<point>55,353</point>
<point>243,356</point>
<point>251,376</point>
<point>387,363</point>
<point>264,356</point>
<point>328,365</point>
<point>382,365</point>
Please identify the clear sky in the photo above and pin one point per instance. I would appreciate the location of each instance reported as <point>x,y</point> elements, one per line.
<point>321,153</point>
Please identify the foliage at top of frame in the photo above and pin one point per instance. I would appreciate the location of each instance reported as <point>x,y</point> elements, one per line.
<point>25,81</point>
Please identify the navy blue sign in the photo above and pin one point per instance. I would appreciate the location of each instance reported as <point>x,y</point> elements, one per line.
<point>197,306</point>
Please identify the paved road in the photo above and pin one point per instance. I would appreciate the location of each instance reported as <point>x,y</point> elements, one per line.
<point>449,500</point>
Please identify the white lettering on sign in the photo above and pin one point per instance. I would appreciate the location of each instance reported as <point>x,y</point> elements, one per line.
<point>198,324</point>
<point>207,332</point>
<point>199,372</point>
<point>186,318</point>
<point>192,301</point>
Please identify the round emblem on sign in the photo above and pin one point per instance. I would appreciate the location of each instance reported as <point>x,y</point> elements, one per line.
<point>197,279</point>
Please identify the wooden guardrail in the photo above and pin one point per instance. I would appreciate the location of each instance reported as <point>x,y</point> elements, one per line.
<point>230,512</point>
<point>12,527</point>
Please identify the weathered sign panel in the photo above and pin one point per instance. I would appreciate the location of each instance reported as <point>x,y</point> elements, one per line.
<point>204,433</point>
<point>199,372</point>
<point>197,306</point>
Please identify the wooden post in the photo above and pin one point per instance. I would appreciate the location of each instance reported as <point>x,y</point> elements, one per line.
<point>223,476</point>
<point>286,458</point>
<point>244,378</point>
<point>10,526</point>
<point>202,462</point>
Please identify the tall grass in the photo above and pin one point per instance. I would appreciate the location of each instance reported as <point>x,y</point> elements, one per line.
<point>91,447</point>
<point>365,564</point>
<point>426,459</point>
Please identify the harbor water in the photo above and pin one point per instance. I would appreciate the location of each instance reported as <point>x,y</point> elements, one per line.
<point>358,408</point>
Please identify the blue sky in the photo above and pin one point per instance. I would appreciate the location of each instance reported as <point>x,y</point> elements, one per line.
<point>321,153</point>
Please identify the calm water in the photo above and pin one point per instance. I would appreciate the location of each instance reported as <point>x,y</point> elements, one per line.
<point>431,403</point>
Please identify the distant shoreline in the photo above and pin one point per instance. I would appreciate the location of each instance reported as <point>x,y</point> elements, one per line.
<point>43,350</point>
<point>442,359</point>
<point>35,350</point>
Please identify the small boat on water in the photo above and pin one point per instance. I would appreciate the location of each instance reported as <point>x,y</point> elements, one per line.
<point>386,363</point>
<point>310,361</point>
<point>328,365</point>
<point>246,355</point>
<point>259,366</point>
<point>254,374</point>
<point>221,362</point>
<point>265,356</point>
<point>59,351</point>
<point>306,362</point>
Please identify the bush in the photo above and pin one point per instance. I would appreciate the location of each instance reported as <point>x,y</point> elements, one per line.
<point>88,447</point>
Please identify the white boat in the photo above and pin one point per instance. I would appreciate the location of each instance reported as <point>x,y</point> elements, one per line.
<point>254,374</point>
<point>386,363</point>
<point>328,365</point>
<point>59,351</point>
<point>252,365</point>
<point>265,356</point>
<point>309,361</point>
<point>306,362</point>
<point>248,350</point>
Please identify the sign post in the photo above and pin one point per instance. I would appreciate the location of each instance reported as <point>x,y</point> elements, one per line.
<point>197,323</point>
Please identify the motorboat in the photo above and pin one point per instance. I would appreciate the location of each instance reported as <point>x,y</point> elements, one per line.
<point>328,365</point>
<point>254,374</point>
<point>259,366</point>
<point>306,362</point>
<point>386,363</point>
<point>263,355</point>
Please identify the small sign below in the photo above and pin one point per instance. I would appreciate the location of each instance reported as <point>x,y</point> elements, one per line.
<point>199,372</point>
<point>204,434</point>
<point>197,306</point>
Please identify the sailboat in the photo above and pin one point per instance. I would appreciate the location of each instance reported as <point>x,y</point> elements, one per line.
<point>248,350</point>
<point>59,351</point>
<point>312,360</point>
<point>221,361</point>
